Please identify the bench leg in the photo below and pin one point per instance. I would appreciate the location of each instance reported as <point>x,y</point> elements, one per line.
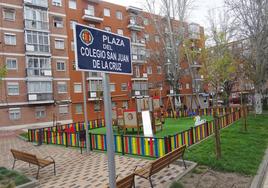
<point>14,164</point>
<point>37,172</point>
<point>134,182</point>
<point>184,163</point>
<point>151,183</point>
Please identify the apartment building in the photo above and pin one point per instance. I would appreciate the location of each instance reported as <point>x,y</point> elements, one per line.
<point>37,48</point>
<point>34,49</point>
<point>148,77</point>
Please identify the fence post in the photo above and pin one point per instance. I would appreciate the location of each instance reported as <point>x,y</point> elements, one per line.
<point>206,127</point>
<point>122,144</point>
<point>191,136</point>
<point>166,144</point>
<point>47,136</point>
<point>29,140</point>
<point>66,139</point>
<point>217,136</point>
<point>90,141</point>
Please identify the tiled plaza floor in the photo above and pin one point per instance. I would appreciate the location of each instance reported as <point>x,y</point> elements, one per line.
<point>76,170</point>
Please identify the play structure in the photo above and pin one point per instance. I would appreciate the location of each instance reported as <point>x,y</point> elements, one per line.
<point>198,121</point>
<point>148,116</point>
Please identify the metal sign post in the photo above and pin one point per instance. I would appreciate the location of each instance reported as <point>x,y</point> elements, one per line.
<point>109,129</point>
<point>100,51</point>
<point>85,110</point>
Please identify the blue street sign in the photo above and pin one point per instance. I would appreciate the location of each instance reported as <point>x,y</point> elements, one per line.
<point>100,51</point>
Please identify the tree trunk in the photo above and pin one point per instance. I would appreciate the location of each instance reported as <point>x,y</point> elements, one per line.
<point>258,103</point>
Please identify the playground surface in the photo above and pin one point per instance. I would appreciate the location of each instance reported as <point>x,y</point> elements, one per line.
<point>75,169</point>
<point>171,127</point>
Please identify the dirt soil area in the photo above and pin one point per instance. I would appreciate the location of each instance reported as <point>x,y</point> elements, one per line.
<point>203,177</point>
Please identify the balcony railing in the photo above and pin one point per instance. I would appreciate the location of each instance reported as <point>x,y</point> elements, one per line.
<point>95,95</point>
<point>39,48</point>
<point>138,58</point>
<point>32,72</point>
<point>38,3</point>
<point>40,97</point>
<point>138,42</point>
<point>133,25</point>
<point>89,15</point>
<point>140,93</point>
<point>36,25</point>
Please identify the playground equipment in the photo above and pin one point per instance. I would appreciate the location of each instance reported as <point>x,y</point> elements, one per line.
<point>198,121</point>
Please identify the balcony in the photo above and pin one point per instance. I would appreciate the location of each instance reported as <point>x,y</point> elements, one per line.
<point>134,26</point>
<point>37,49</point>
<point>40,98</point>
<point>94,76</point>
<point>36,72</point>
<point>37,3</point>
<point>138,42</point>
<point>134,10</point>
<point>94,1</point>
<point>136,93</point>
<point>95,95</point>
<point>138,58</point>
<point>36,25</point>
<point>89,15</point>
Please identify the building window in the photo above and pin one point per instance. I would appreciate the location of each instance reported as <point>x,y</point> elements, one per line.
<point>187,86</point>
<point>147,37</point>
<point>63,109</point>
<point>77,87</point>
<point>58,22</point>
<point>14,113</point>
<point>39,87</point>
<point>57,3</point>
<point>72,45</point>
<point>79,109</point>
<point>159,70</point>
<point>97,107</point>
<point>10,39</point>
<point>149,70</point>
<point>72,23</point>
<point>37,41</point>
<point>120,32</point>
<point>145,21</point>
<point>36,18</point>
<point>124,87</point>
<point>157,39</point>
<point>9,14</point>
<point>125,104</point>
<point>40,112</point>
<point>119,15</point>
<point>59,44</point>
<point>150,85</point>
<point>90,10</point>
<point>107,12</point>
<point>13,88</point>
<point>72,4</point>
<point>38,66</point>
<point>112,87</point>
<point>62,87</point>
<point>11,64</point>
<point>61,66</point>
<point>91,25</point>
<point>108,29</point>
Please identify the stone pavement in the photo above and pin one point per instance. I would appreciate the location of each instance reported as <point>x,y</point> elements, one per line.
<point>76,170</point>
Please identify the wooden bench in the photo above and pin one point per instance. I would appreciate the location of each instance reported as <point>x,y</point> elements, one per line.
<point>32,159</point>
<point>126,182</point>
<point>160,163</point>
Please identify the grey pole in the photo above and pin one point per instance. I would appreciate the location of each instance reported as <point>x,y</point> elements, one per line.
<point>109,130</point>
<point>85,109</point>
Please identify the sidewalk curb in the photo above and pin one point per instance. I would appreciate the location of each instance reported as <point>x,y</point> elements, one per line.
<point>259,178</point>
<point>190,166</point>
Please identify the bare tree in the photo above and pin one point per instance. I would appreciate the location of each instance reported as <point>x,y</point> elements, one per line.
<point>168,18</point>
<point>252,16</point>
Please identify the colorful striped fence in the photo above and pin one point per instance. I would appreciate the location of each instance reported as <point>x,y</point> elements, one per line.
<point>131,144</point>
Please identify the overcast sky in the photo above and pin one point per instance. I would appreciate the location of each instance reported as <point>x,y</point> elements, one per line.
<point>198,15</point>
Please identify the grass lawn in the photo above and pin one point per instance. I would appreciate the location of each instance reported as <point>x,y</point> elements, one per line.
<point>242,152</point>
<point>170,127</point>
<point>10,178</point>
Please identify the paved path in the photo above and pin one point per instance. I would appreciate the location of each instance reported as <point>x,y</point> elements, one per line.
<point>76,170</point>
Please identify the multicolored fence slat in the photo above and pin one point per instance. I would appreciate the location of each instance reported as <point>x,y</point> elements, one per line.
<point>69,135</point>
